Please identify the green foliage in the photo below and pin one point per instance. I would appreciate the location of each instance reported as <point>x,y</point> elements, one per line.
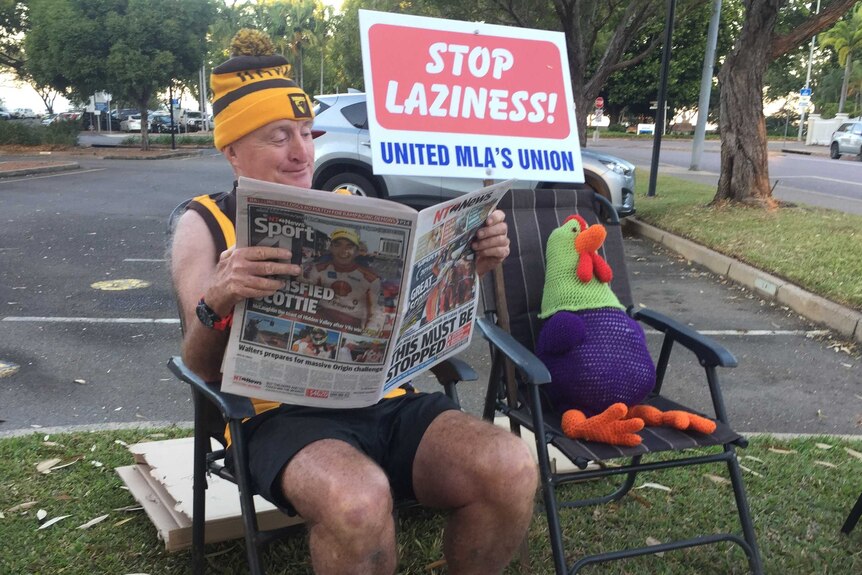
<point>815,248</point>
<point>130,48</point>
<point>632,90</point>
<point>63,134</point>
<point>13,24</point>
<point>799,491</point>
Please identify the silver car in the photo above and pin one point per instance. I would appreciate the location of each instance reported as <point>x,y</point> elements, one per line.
<point>846,140</point>
<point>343,160</point>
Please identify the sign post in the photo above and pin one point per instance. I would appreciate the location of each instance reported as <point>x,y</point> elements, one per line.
<point>470,100</point>
<point>597,117</point>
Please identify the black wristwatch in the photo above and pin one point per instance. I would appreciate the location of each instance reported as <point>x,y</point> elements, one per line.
<point>211,319</point>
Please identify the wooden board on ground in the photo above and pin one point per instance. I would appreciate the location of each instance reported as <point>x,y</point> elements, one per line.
<point>161,481</point>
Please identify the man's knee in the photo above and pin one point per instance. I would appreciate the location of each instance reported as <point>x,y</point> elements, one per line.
<point>514,472</point>
<point>353,508</point>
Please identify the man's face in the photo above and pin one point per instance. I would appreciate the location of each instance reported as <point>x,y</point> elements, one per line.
<point>280,152</point>
<point>343,251</point>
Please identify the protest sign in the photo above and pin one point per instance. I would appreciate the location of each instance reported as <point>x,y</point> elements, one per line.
<point>472,100</point>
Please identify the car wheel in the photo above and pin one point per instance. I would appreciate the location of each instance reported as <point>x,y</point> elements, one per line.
<point>357,184</point>
<point>833,151</point>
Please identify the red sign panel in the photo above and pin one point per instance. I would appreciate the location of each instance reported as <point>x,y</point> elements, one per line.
<point>465,83</point>
<point>600,102</point>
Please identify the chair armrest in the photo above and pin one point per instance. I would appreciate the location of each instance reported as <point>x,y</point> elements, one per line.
<point>533,370</point>
<point>709,352</point>
<point>454,370</point>
<point>231,406</point>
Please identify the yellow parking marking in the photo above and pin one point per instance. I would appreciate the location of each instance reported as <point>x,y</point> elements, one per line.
<point>56,175</point>
<point>119,285</point>
<point>7,368</point>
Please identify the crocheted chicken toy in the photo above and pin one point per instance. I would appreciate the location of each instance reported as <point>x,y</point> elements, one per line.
<point>597,355</point>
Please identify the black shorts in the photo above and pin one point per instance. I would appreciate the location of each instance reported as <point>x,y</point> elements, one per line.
<point>388,432</point>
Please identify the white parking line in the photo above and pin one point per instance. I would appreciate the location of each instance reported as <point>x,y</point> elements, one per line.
<point>149,260</point>
<point>711,332</point>
<point>65,173</point>
<point>754,332</point>
<point>36,319</point>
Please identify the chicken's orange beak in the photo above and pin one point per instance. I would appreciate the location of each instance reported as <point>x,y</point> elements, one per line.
<point>591,239</point>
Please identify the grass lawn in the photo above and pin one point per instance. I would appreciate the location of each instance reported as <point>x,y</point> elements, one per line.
<point>800,491</point>
<point>817,249</point>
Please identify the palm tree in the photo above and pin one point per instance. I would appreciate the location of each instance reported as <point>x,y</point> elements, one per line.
<point>846,38</point>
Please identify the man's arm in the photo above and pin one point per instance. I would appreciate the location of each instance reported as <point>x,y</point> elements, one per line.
<point>491,243</point>
<point>223,280</point>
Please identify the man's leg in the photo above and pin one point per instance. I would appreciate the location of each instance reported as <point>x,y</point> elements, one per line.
<point>487,477</point>
<point>345,498</point>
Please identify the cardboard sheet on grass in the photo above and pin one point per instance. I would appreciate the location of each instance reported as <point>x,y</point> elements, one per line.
<point>161,481</point>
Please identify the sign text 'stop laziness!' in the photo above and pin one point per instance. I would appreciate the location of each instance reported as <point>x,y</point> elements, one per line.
<point>467,83</point>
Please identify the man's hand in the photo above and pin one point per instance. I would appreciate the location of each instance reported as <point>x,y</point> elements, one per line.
<point>251,272</point>
<point>491,243</point>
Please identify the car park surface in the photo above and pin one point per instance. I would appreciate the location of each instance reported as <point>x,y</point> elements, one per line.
<point>343,160</point>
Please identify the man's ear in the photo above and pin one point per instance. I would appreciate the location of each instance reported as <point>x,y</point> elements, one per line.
<point>230,154</point>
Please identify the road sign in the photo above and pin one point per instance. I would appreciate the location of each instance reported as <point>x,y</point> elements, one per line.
<point>600,102</point>
<point>805,92</point>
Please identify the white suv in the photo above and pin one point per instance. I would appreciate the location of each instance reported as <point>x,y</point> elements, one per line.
<point>342,159</point>
<point>846,140</point>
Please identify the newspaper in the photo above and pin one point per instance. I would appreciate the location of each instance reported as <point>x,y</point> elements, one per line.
<point>385,293</point>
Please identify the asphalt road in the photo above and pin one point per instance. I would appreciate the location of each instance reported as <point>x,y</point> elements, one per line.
<point>809,179</point>
<point>93,356</point>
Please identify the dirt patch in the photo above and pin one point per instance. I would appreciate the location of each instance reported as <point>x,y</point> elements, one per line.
<point>15,165</point>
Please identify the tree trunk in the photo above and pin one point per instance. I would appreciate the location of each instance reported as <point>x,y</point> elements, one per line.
<point>848,69</point>
<point>744,162</point>
<point>744,166</point>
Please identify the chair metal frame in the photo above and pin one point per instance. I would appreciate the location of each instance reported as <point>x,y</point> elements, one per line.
<point>516,383</point>
<point>853,517</point>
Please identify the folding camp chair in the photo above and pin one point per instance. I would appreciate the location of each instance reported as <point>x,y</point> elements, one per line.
<point>212,410</point>
<point>513,298</point>
<point>853,518</point>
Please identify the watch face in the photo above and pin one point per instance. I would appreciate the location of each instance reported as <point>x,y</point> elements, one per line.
<point>205,314</point>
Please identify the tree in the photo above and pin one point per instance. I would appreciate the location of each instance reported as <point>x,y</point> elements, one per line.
<point>130,48</point>
<point>846,39</point>
<point>744,169</point>
<point>13,25</point>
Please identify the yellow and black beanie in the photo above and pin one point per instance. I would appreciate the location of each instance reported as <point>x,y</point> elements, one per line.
<point>253,89</point>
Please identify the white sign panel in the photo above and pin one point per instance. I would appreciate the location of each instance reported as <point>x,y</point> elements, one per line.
<point>471,100</point>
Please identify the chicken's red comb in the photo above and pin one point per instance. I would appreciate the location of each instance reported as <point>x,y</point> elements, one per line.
<point>580,220</point>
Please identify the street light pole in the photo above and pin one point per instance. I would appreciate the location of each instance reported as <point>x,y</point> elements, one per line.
<point>807,79</point>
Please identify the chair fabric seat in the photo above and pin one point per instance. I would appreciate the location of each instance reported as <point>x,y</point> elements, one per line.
<point>655,439</point>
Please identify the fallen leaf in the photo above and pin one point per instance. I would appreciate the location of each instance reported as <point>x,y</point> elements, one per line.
<point>50,522</point>
<point>825,464</point>
<point>853,453</point>
<point>123,521</point>
<point>22,506</point>
<point>81,381</point>
<point>46,465</point>
<point>95,463</point>
<point>41,514</point>
<point>658,486</point>
<point>782,451</point>
<point>50,444</point>
<point>440,563</point>
<point>129,508</point>
<point>717,479</point>
<point>61,466</point>
<point>640,499</point>
<point>654,541</point>
<point>751,471</point>
<point>823,446</point>
<point>121,442</point>
<point>92,522</point>
<point>2,516</point>
<point>753,458</point>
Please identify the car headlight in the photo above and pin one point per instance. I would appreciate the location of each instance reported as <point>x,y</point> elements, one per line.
<point>616,167</point>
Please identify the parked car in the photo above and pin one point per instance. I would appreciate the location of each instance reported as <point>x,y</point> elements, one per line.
<point>343,160</point>
<point>131,123</point>
<point>161,124</point>
<point>49,119</point>
<point>5,114</point>
<point>194,121</point>
<point>23,113</point>
<point>847,139</point>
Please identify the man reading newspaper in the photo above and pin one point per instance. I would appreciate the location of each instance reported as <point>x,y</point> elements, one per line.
<point>339,468</point>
